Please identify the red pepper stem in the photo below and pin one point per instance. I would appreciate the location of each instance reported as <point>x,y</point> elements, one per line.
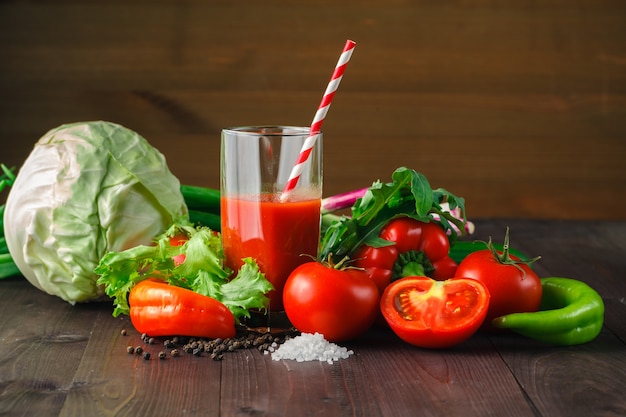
<point>413,269</point>
<point>412,263</point>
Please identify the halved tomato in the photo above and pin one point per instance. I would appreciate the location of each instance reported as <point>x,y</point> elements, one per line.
<point>435,314</point>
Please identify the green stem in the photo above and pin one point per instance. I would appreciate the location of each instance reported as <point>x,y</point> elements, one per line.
<point>328,219</point>
<point>413,269</point>
<point>460,224</point>
<point>212,221</point>
<point>201,198</point>
<point>505,258</point>
<point>7,266</point>
<point>412,263</point>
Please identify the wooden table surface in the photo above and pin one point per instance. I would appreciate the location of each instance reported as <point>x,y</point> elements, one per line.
<point>63,360</point>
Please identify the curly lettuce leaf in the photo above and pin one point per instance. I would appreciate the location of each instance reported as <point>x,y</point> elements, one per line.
<point>200,269</point>
<point>120,271</point>
<point>247,291</point>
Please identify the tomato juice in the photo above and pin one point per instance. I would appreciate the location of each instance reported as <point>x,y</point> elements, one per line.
<point>279,235</point>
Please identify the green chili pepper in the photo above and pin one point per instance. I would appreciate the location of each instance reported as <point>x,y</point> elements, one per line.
<point>571,313</point>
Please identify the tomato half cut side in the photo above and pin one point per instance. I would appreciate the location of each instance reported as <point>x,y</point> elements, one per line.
<point>435,314</point>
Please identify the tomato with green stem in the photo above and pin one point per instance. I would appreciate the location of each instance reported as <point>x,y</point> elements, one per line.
<point>339,303</point>
<point>512,283</point>
<point>434,314</point>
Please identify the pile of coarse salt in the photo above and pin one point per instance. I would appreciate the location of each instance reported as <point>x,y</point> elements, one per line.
<point>309,347</point>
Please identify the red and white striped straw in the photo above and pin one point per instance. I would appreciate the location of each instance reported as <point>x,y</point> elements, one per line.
<point>320,115</point>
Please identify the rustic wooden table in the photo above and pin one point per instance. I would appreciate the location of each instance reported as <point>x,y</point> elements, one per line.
<point>63,360</point>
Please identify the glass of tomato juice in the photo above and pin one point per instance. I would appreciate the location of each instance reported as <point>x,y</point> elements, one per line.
<point>280,230</point>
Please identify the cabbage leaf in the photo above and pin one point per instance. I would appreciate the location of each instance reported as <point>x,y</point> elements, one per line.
<point>86,189</point>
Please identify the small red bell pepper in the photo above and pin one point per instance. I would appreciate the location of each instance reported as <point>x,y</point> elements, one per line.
<point>160,309</point>
<point>417,249</point>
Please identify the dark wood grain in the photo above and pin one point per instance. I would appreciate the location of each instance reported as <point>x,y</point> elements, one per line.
<point>110,381</point>
<point>42,346</point>
<point>63,360</point>
<point>518,107</point>
<point>570,381</point>
<point>405,381</point>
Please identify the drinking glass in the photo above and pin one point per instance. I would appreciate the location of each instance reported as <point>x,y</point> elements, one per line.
<point>279,229</point>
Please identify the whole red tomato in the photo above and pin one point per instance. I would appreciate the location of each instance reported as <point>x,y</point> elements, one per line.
<point>514,287</point>
<point>340,304</point>
<point>434,314</point>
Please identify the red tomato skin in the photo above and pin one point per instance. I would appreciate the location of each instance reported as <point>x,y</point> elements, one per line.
<point>179,240</point>
<point>378,263</point>
<point>339,304</point>
<point>445,268</point>
<point>512,290</point>
<point>407,234</point>
<point>433,337</point>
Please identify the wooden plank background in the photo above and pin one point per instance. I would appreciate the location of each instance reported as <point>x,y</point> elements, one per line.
<point>520,107</point>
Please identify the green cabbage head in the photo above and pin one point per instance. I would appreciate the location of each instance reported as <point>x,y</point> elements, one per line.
<point>86,189</point>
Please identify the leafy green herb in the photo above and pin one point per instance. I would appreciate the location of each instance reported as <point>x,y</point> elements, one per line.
<point>199,268</point>
<point>409,194</point>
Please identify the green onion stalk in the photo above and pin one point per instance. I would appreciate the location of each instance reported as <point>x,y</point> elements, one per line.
<point>8,268</point>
